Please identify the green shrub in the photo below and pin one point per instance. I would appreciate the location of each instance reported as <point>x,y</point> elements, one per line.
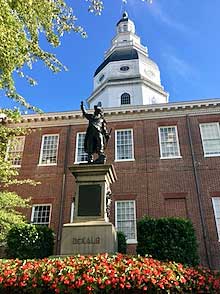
<point>167,239</point>
<point>122,245</point>
<point>30,241</point>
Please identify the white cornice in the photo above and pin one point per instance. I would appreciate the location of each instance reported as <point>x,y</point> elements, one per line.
<point>125,113</point>
<point>135,79</point>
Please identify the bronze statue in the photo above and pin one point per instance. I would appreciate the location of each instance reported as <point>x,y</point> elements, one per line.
<point>97,134</point>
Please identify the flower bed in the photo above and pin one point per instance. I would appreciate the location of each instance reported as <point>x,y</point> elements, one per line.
<point>102,274</point>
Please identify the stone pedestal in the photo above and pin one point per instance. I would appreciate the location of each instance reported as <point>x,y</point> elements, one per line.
<point>91,232</point>
<point>91,237</point>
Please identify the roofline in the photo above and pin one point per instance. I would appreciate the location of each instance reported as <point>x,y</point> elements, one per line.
<point>75,116</point>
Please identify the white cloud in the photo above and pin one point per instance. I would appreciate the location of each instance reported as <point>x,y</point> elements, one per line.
<point>158,12</point>
<point>161,14</point>
<point>179,66</point>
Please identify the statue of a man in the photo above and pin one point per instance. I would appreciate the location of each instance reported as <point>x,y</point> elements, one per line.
<point>96,135</point>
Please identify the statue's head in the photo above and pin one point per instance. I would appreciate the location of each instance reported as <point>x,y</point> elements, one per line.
<point>98,108</point>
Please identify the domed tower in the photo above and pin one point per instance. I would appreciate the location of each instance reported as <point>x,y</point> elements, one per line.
<point>127,76</point>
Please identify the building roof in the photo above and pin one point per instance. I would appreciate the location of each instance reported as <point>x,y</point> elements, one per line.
<point>117,55</point>
<point>138,112</point>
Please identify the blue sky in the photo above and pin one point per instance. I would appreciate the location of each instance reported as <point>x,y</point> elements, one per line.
<point>182,37</point>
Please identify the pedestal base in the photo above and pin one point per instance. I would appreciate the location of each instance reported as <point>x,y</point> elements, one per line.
<point>91,237</point>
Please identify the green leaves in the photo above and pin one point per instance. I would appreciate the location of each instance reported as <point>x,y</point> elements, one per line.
<point>122,245</point>
<point>9,216</point>
<point>10,202</point>
<point>30,241</point>
<point>21,24</point>
<point>168,239</point>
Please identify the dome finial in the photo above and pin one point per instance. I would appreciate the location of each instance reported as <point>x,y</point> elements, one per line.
<point>125,15</point>
<point>123,18</point>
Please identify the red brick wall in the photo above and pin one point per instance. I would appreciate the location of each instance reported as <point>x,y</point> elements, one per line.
<point>161,187</point>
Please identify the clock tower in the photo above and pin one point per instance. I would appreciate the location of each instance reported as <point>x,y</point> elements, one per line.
<point>127,76</point>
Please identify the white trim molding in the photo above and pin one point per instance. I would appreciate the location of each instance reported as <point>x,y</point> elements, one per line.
<point>210,136</point>
<point>130,145</point>
<point>15,150</point>
<point>52,158</point>
<point>216,208</point>
<point>82,154</point>
<point>169,142</point>
<point>127,219</point>
<point>33,214</point>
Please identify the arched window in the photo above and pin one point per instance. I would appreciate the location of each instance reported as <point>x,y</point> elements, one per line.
<point>125,28</point>
<point>125,99</point>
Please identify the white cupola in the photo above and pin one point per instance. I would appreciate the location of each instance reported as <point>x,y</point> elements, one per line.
<point>127,76</point>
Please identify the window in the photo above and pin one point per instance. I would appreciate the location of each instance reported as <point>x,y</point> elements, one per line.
<point>125,219</point>
<point>169,143</point>
<point>41,214</point>
<point>210,134</point>
<point>101,78</point>
<point>72,212</point>
<point>125,28</point>
<point>124,145</point>
<point>125,99</point>
<point>124,68</point>
<point>49,148</point>
<point>15,150</point>
<point>216,207</point>
<point>81,155</point>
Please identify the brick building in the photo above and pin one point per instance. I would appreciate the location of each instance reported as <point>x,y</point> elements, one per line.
<point>166,155</point>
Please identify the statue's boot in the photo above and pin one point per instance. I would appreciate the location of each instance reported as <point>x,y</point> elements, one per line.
<point>90,158</point>
<point>101,159</point>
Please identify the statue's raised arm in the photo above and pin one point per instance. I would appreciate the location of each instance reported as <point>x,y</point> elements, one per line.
<point>84,112</point>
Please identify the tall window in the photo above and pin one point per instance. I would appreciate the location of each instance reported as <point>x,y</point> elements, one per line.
<point>72,212</point>
<point>125,99</point>
<point>169,143</point>
<point>80,156</point>
<point>125,219</point>
<point>49,148</point>
<point>15,150</point>
<point>216,207</point>
<point>124,145</point>
<point>210,134</point>
<point>41,214</point>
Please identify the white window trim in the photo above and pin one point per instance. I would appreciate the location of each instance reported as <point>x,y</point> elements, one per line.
<point>128,241</point>
<point>215,215</point>
<point>44,204</point>
<point>178,144</point>
<point>72,212</point>
<point>76,149</point>
<point>8,151</point>
<point>41,150</point>
<point>132,140</point>
<point>203,146</point>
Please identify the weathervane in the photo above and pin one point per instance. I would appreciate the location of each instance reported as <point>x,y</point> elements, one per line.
<point>124,2</point>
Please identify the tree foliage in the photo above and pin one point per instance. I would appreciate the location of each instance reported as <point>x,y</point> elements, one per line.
<point>9,215</point>
<point>10,202</point>
<point>22,24</point>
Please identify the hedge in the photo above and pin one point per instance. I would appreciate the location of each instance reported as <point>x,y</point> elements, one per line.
<point>167,239</point>
<point>30,241</point>
<point>122,244</point>
<point>104,274</point>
